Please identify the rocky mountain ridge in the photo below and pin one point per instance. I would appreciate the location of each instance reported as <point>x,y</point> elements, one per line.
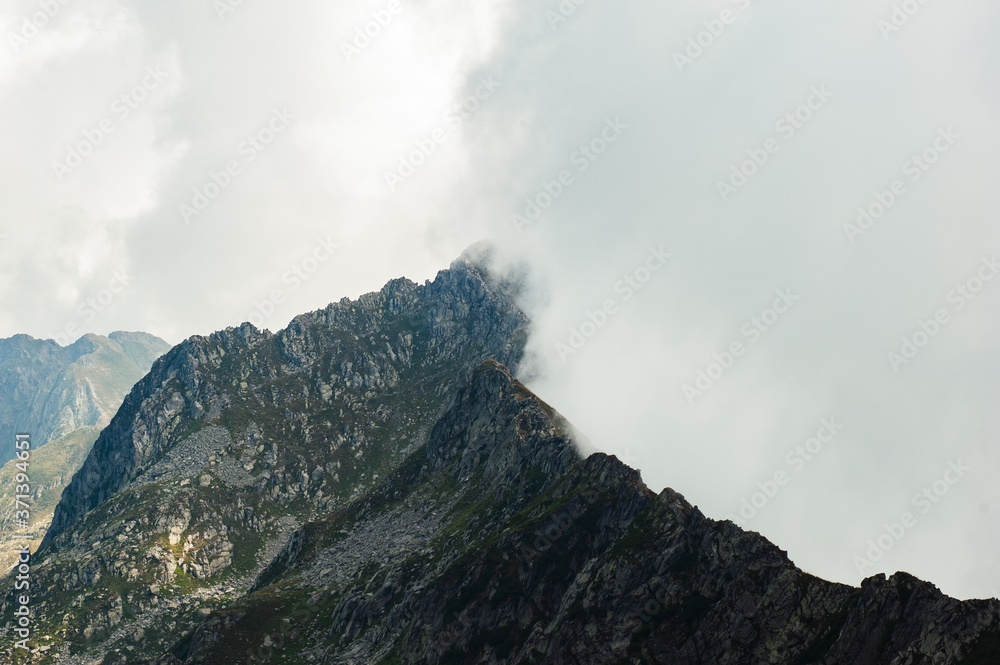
<point>373,485</point>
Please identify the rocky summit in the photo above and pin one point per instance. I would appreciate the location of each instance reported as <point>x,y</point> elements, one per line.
<point>374,485</point>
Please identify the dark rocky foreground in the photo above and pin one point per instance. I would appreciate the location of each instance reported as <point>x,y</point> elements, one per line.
<point>372,485</point>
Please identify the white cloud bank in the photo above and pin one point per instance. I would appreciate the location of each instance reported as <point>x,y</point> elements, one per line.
<point>740,137</point>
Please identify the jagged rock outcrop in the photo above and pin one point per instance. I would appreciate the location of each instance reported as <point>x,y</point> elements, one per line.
<point>345,355</point>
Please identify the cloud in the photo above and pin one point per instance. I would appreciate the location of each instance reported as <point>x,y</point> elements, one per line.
<point>743,112</point>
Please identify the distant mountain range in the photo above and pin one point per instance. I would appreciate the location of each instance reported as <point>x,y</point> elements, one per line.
<point>63,397</point>
<point>374,486</point>
<point>49,391</point>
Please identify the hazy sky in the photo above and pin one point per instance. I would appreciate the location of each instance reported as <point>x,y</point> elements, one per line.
<point>685,179</point>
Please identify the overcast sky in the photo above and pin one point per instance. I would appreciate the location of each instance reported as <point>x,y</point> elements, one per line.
<point>684,178</point>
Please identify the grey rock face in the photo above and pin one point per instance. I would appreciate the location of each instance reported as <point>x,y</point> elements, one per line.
<point>349,353</point>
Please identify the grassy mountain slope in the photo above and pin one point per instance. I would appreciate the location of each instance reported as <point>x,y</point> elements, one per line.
<point>50,468</point>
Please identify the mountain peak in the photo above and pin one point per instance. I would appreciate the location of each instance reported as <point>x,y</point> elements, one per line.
<point>324,364</point>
